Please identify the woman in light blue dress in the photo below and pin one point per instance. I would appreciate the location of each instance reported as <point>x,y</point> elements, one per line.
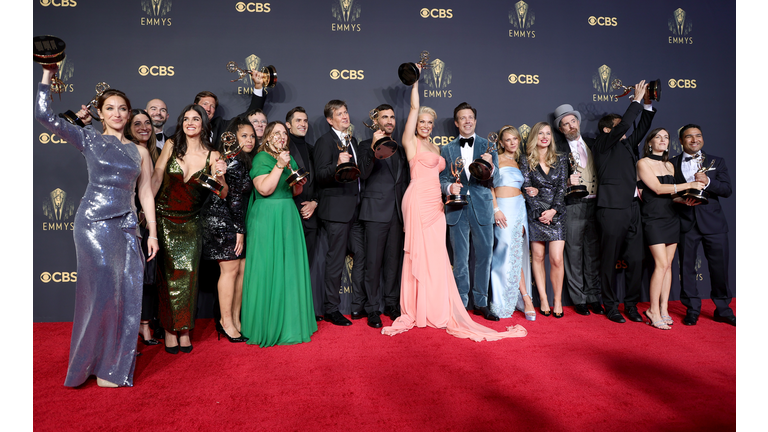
<point>510,267</point>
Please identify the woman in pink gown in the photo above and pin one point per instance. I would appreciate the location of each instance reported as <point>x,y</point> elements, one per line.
<point>429,296</point>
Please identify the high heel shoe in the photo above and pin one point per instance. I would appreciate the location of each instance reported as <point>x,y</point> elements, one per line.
<point>667,320</point>
<point>185,349</point>
<point>558,315</point>
<point>149,341</point>
<point>530,315</point>
<point>172,350</point>
<point>545,313</point>
<point>656,324</point>
<point>220,330</point>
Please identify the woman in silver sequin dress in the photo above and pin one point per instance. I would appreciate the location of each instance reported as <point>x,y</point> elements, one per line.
<point>224,231</point>
<point>546,171</point>
<point>110,263</point>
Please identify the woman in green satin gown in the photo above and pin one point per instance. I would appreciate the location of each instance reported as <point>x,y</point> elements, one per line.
<point>277,295</point>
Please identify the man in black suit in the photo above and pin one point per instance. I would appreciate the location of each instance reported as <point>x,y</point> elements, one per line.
<point>338,209</point>
<point>705,225</point>
<point>385,181</point>
<point>582,253</point>
<point>210,102</point>
<point>306,202</point>
<point>618,203</point>
<point>158,114</point>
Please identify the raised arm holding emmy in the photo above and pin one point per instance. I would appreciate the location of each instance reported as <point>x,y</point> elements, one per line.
<point>429,295</point>
<point>110,262</point>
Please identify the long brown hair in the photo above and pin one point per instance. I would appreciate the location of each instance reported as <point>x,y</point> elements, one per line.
<point>151,143</point>
<point>647,147</point>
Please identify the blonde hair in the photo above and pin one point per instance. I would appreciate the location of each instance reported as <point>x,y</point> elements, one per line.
<point>428,110</point>
<point>507,129</point>
<point>532,149</point>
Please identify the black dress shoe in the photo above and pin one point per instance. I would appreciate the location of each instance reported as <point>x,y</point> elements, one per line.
<point>616,317</point>
<point>486,313</point>
<point>596,308</point>
<point>728,319</point>
<point>336,318</point>
<point>318,317</point>
<point>690,319</point>
<point>186,349</point>
<point>392,311</point>
<point>581,309</point>
<point>359,315</point>
<point>374,320</point>
<point>633,314</point>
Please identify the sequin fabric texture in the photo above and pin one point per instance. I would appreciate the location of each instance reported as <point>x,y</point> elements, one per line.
<point>223,219</point>
<point>178,204</point>
<point>551,195</point>
<point>110,263</point>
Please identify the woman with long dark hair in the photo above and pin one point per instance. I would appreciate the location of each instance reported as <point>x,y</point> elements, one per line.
<point>180,197</point>
<point>661,223</point>
<point>110,262</point>
<point>224,230</point>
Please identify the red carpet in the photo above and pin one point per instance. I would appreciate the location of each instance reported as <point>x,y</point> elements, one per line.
<point>573,374</point>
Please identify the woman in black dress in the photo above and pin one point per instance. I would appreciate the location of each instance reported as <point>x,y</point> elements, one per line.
<point>545,172</point>
<point>661,224</point>
<point>224,231</point>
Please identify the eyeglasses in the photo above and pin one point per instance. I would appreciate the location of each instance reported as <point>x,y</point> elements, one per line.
<point>259,122</point>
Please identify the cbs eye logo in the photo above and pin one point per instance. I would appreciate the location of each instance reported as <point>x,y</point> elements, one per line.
<point>436,13</point>
<point>682,83</point>
<point>346,74</point>
<point>252,7</point>
<point>145,70</point>
<point>46,138</point>
<point>59,3</point>
<point>46,277</point>
<point>603,21</point>
<point>523,79</point>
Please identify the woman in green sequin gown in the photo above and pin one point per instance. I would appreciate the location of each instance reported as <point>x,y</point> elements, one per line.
<point>277,295</point>
<point>179,201</point>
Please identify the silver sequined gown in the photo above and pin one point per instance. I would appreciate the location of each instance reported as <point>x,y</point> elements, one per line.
<point>110,263</point>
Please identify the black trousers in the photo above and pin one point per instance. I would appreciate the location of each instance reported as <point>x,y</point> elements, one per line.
<point>621,236</point>
<point>343,238</point>
<point>383,265</point>
<point>716,251</point>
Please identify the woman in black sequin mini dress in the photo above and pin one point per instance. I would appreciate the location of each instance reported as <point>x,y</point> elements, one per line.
<point>545,171</point>
<point>224,231</point>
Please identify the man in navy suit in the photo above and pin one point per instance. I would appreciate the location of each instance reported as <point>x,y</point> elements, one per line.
<point>475,218</point>
<point>705,225</point>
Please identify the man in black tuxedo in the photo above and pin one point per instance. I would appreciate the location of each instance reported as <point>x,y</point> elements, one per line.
<point>385,181</point>
<point>705,225</point>
<point>618,203</point>
<point>210,102</point>
<point>338,209</point>
<point>582,253</point>
<point>306,202</point>
<point>158,115</point>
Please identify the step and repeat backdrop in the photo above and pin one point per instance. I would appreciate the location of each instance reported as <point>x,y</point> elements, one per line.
<point>515,61</point>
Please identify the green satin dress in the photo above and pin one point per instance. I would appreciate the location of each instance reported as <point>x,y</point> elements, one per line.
<point>180,235</point>
<point>277,293</point>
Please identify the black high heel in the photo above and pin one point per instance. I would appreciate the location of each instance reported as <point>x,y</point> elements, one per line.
<point>147,341</point>
<point>220,330</point>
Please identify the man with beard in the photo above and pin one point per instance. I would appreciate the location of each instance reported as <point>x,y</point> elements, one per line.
<point>385,181</point>
<point>306,202</point>
<point>705,225</point>
<point>158,115</point>
<point>581,240</point>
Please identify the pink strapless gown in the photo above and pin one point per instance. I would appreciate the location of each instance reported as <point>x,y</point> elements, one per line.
<point>428,295</point>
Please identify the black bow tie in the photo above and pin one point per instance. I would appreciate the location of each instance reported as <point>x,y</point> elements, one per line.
<point>696,156</point>
<point>160,136</point>
<point>464,141</point>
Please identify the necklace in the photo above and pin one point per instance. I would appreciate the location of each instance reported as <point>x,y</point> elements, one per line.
<point>506,156</point>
